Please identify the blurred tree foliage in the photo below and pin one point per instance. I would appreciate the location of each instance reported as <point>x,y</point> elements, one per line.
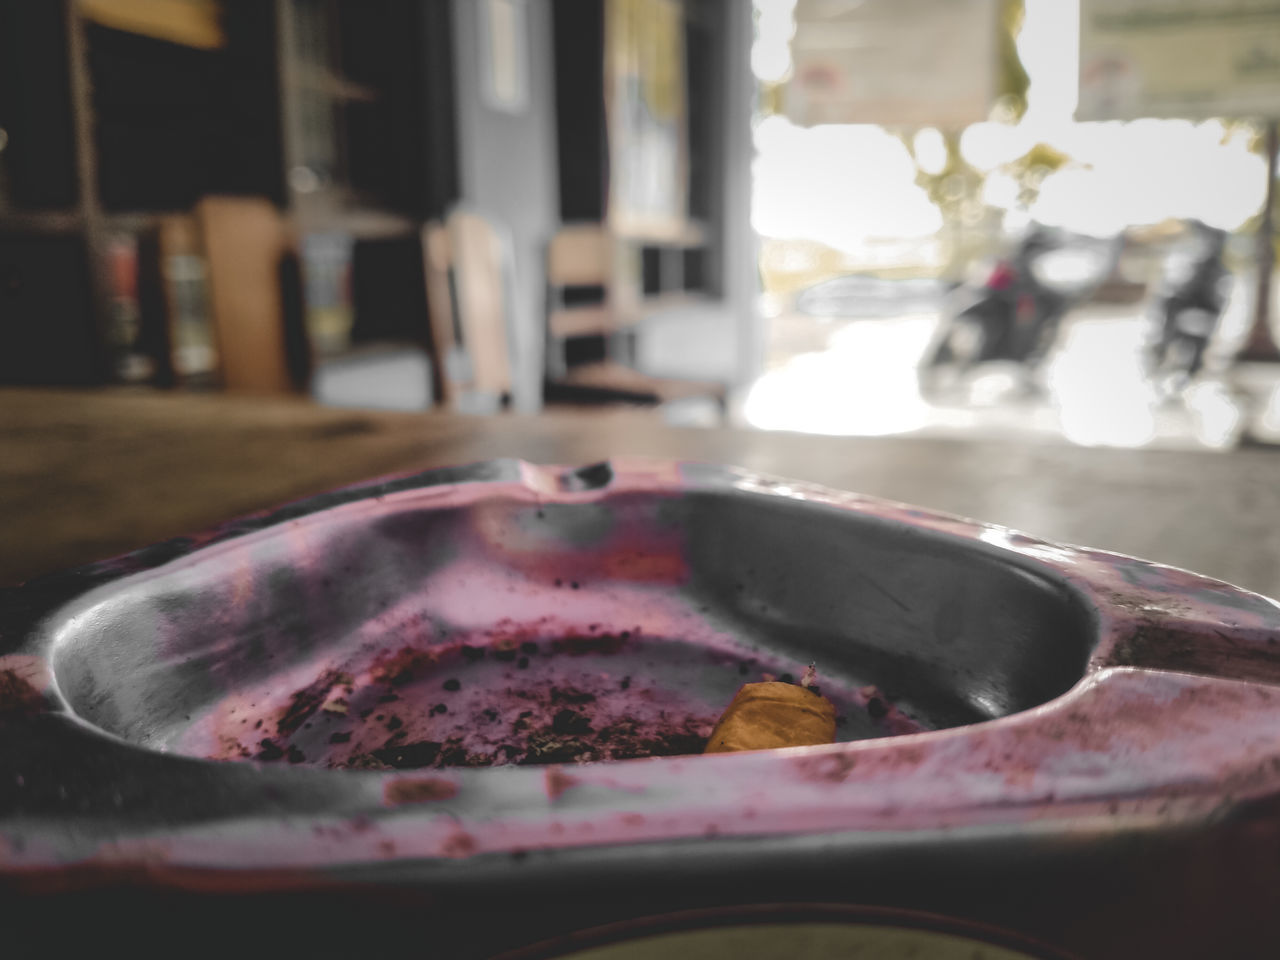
<point>770,99</point>
<point>1257,132</point>
<point>956,188</point>
<point>1013,81</point>
<point>1032,167</point>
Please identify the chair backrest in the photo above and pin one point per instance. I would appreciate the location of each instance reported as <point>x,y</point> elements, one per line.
<point>466,267</point>
<point>579,256</point>
<point>480,297</point>
<point>437,266</point>
<point>244,241</point>
<point>583,256</point>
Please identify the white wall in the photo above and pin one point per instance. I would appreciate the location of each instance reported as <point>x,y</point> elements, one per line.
<point>741,246</point>
<point>508,173</point>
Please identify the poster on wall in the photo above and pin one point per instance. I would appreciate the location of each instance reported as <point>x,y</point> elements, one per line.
<point>646,110</point>
<point>505,65</point>
<point>1175,58</point>
<point>898,63</point>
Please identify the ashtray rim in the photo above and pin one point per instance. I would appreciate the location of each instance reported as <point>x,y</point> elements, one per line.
<point>1131,599</point>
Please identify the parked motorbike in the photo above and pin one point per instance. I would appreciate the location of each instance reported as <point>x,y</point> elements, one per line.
<point>1186,308</point>
<point>1014,312</point>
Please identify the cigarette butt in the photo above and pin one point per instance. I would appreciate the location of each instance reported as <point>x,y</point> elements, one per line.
<point>764,716</point>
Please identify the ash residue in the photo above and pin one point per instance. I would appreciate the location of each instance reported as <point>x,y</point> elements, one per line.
<point>558,723</point>
<point>604,643</point>
<point>518,697</point>
<point>308,700</point>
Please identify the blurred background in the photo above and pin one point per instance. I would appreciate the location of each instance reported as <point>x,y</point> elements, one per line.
<point>555,228</point>
<point>1026,218</point>
<point>1052,220</point>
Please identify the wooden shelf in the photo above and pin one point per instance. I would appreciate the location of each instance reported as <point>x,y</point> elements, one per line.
<point>42,221</point>
<point>145,140</point>
<point>691,233</point>
<point>130,221</point>
<point>363,223</point>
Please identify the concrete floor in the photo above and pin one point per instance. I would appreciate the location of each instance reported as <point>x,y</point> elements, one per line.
<point>858,377</point>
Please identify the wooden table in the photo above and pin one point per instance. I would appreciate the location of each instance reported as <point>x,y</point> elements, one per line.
<point>84,475</point>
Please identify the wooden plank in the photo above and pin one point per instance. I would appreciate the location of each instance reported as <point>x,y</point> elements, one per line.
<point>243,240</point>
<point>192,23</point>
<point>479,271</point>
<point>580,255</point>
<point>436,263</point>
<point>610,375</point>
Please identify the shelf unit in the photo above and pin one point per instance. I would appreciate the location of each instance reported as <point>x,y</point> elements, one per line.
<point>668,257</point>
<point>112,135</point>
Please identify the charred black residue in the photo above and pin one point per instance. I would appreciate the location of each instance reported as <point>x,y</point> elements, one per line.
<point>623,740</point>
<point>571,695</point>
<point>461,704</point>
<point>307,701</point>
<point>406,665</point>
<point>570,722</point>
<point>558,723</point>
<point>578,646</point>
<point>407,756</point>
<point>1212,653</point>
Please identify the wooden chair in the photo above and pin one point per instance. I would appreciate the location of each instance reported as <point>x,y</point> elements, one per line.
<point>464,263</point>
<point>254,294</point>
<point>581,260</point>
<point>446,336</point>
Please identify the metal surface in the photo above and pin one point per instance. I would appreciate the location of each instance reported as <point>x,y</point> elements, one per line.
<point>173,716</point>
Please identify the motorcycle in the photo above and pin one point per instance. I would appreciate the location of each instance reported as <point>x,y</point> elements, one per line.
<point>1185,311</point>
<point>1014,312</point>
